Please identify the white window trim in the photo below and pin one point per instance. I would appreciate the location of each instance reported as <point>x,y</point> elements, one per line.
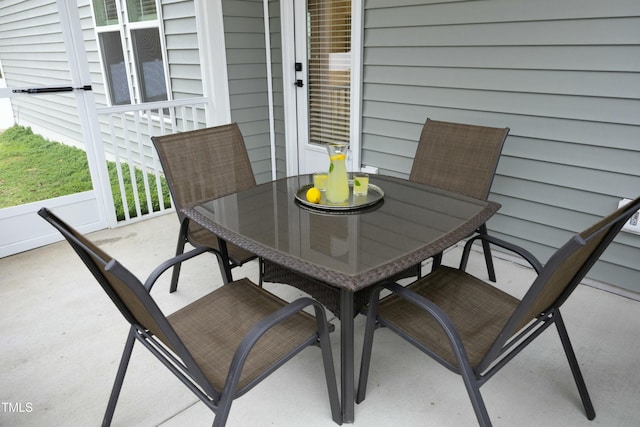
<point>357,36</point>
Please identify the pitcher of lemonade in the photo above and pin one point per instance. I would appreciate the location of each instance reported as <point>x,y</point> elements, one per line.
<point>337,184</point>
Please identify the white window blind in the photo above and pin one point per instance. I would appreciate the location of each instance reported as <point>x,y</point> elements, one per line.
<point>106,12</point>
<point>329,70</point>
<point>141,10</point>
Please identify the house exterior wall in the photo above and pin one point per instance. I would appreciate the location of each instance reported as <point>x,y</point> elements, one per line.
<point>246,65</point>
<point>563,75</point>
<point>181,39</point>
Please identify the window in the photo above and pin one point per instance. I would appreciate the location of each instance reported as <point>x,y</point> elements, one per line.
<point>131,50</point>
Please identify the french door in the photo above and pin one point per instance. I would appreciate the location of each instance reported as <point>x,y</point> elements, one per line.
<point>326,80</point>
<point>68,85</point>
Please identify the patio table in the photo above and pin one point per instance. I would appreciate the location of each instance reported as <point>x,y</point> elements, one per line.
<point>350,250</point>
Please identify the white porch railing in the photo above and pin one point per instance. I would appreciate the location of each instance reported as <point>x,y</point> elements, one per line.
<point>126,136</point>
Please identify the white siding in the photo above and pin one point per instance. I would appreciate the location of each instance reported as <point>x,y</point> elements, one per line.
<point>564,75</point>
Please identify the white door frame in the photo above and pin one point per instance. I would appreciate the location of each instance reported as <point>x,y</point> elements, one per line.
<point>293,134</point>
<point>81,76</point>
<point>21,228</point>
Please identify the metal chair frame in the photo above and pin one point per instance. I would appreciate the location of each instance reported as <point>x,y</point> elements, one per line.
<point>520,330</point>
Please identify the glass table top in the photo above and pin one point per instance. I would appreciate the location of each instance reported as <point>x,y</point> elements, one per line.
<point>348,249</point>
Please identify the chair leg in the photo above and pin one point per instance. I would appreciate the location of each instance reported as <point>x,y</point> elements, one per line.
<point>122,370</point>
<point>575,368</point>
<point>437,261</point>
<point>223,262</point>
<point>221,416</point>
<point>182,240</point>
<point>369,331</point>
<point>329,367</point>
<point>486,248</point>
<point>261,272</point>
<point>473,389</point>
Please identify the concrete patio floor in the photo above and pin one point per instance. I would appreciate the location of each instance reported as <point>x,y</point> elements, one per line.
<point>62,339</point>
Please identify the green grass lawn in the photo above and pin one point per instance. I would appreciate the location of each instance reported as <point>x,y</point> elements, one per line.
<point>33,168</point>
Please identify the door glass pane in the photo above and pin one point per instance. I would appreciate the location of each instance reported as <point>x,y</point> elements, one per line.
<point>329,56</point>
<point>113,58</point>
<point>149,65</point>
<point>141,10</point>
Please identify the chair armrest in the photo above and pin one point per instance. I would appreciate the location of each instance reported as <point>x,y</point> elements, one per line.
<point>157,272</point>
<point>259,329</point>
<point>525,254</point>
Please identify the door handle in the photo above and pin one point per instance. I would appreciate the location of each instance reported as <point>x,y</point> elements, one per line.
<point>54,89</point>
<point>299,83</point>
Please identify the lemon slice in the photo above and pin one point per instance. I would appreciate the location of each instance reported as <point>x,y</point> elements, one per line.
<point>313,195</point>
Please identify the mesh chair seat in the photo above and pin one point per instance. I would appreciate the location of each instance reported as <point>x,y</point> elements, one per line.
<point>478,310</point>
<point>212,329</point>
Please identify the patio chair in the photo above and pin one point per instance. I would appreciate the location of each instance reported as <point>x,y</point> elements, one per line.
<point>219,346</point>
<point>201,165</point>
<point>461,158</point>
<point>208,163</point>
<point>475,329</point>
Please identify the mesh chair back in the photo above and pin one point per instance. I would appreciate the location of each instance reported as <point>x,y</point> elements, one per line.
<point>124,289</point>
<point>204,164</point>
<point>458,157</point>
<point>565,269</point>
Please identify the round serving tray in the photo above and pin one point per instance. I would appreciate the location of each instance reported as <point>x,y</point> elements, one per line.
<point>374,195</point>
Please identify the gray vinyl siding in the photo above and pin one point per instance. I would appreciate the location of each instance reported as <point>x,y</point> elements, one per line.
<point>246,59</point>
<point>181,41</point>
<point>563,75</point>
<point>33,53</point>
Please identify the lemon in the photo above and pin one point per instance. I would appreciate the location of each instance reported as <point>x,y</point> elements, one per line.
<point>338,157</point>
<point>313,195</point>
